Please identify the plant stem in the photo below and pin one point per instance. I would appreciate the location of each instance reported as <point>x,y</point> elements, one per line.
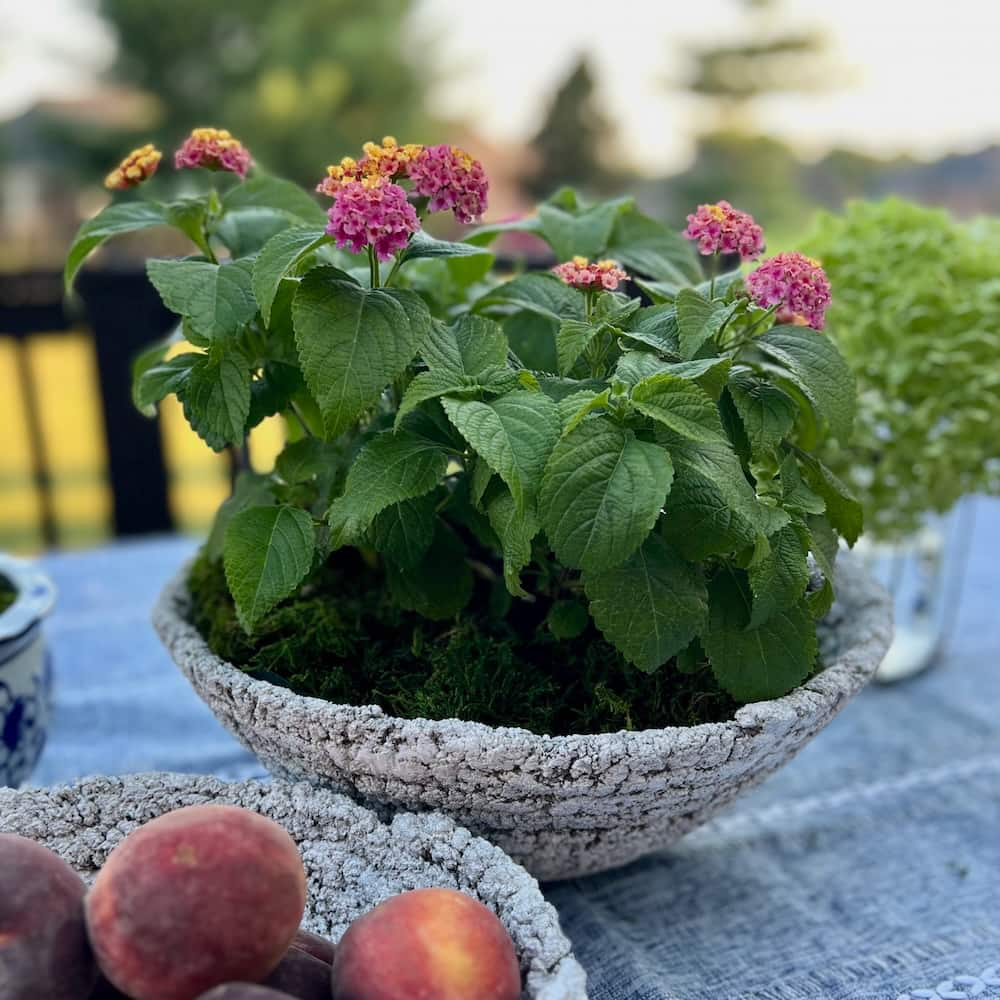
<point>373,267</point>
<point>712,268</point>
<point>395,267</point>
<point>302,420</point>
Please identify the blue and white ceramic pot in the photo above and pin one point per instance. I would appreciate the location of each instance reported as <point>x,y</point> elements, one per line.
<point>25,671</point>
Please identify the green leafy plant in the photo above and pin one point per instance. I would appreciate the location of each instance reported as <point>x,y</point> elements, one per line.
<point>917,315</point>
<point>488,448</point>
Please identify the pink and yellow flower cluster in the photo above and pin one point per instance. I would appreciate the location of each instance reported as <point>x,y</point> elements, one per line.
<point>448,177</point>
<point>796,284</point>
<point>371,209</point>
<point>720,228</point>
<point>137,167</point>
<point>213,149</point>
<point>581,273</point>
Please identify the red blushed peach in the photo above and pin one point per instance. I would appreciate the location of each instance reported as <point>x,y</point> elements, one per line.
<point>43,939</point>
<point>431,944</point>
<point>301,976</point>
<point>244,991</point>
<point>200,896</point>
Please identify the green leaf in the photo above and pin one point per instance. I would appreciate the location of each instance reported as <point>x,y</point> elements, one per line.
<point>601,494</point>
<point>573,409</point>
<point>352,342</point>
<point>188,215</point>
<point>160,379</point>
<point>515,434</point>
<point>479,480</point>
<point>585,233</point>
<point>117,218</point>
<point>301,461</point>
<point>699,518</point>
<point>567,619</point>
<point>571,341</point>
<point>262,192</point>
<point>422,245</point>
<point>651,606</point>
<point>755,664</point>
<point>634,367</point>
<point>698,320</point>
<point>249,490</point>
<point>268,552</point>
<point>272,390</point>
<point>532,338</point>
<point>681,406</point>
<point>657,327</point>
<point>440,585</point>
<point>485,235</point>
<point>779,579</point>
<point>813,363</point>
<point>795,495</point>
<point>278,257</point>
<point>471,346</point>
<point>216,398</point>
<point>842,510</point>
<point>216,299</point>
<point>515,527</point>
<point>246,232</point>
<point>403,532</point>
<point>543,294</point>
<point>648,248</point>
<point>767,413</point>
<point>430,385</point>
<point>390,468</point>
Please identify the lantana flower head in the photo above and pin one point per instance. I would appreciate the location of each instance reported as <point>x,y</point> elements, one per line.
<point>720,228</point>
<point>213,149</point>
<point>377,215</point>
<point>796,284</point>
<point>451,179</point>
<point>137,167</point>
<point>581,273</point>
<point>380,162</point>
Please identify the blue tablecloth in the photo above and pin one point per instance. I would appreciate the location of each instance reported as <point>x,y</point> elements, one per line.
<point>869,867</point>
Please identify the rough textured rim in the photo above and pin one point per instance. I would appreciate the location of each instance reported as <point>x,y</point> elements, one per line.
<point>418,763</point>
<point>353,860</point>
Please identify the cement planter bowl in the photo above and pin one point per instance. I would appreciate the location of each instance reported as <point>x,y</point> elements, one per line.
<point>353,860</point>
<point>25,671</point>
<point>562,806</point>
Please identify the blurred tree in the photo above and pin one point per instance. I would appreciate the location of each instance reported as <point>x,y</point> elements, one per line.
<point>733,159</point>
<point>300,84</point>
<point>567,146</point>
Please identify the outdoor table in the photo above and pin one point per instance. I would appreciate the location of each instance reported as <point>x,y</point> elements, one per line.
<point>868,867</point>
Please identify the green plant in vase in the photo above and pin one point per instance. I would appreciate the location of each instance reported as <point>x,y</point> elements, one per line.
<point>574,501</point>
<point>918,317</point>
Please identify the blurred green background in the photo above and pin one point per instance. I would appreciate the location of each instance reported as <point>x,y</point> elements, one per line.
<point>783,107</point>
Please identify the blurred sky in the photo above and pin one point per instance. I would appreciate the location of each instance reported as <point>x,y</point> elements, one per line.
<point>913,77</point>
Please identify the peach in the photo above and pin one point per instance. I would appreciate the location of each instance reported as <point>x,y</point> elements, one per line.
<point>43,939</point>
<point>243,991</point>
<point>301,976</point>
<point>200,896</point>
<point>436,944</point>
<point>313,944</point>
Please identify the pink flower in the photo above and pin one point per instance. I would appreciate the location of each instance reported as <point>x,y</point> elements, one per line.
<point>720,228</point>
<point>380,162</point>
<point>795,283</point>
<point>451,179</point>
<point>580,273</point>
<point>377,215</point>
<point>213,149</point>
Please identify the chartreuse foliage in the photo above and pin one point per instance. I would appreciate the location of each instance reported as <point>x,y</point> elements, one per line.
<point>922,331</point>
<point>645,470</point>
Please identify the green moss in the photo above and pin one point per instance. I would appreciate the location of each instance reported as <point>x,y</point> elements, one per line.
<point>342,640</point>
<point>7,594</point>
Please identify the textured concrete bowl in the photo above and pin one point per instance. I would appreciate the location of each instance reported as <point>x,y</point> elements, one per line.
<point>353,860</point>
<point>562,806</point>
